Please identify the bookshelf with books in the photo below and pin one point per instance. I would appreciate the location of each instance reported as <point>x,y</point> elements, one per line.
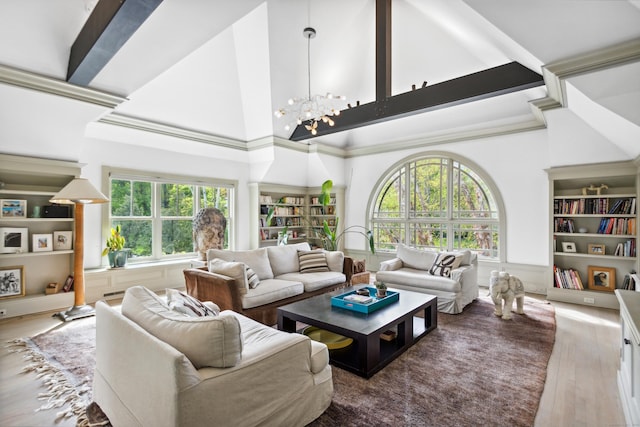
<point>593,223</point>
<point>318,214</point>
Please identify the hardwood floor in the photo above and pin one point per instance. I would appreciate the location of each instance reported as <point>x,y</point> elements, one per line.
<point>580,390</point>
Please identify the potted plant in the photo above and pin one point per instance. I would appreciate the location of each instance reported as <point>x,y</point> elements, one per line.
<point>115,248</point>
<point>381,289</point>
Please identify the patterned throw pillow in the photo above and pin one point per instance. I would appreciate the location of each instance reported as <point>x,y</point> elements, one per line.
<point>186,304</point>
<point>252,278</point>
<point>312,261</point>
<point>444,263</point>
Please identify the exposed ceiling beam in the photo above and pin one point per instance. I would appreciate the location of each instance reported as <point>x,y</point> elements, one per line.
<point>107,29</point>
<point>507,78</point>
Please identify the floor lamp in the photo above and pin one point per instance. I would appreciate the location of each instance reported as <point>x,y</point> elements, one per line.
<point>78,192</point>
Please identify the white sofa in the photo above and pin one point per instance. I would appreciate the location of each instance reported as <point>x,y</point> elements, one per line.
<point>277,378</point>
<point>281,278</point>
<point>419,270</point>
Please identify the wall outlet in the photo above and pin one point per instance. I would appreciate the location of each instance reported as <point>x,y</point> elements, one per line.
<point>589,300</point>
<point>3,312</point>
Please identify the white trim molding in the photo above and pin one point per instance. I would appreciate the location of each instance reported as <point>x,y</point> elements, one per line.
<point>28,80</point>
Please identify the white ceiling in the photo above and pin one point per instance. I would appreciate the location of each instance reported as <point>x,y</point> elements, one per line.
<point>223,66</point>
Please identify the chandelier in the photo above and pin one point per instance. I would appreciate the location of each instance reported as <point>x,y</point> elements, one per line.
<point>312,109</point>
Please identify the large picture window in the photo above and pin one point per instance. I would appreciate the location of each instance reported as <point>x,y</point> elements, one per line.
<point>156,214</point>
<point>436,202</point>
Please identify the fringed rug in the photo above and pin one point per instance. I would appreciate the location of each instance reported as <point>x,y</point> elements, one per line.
<point>475,369</point>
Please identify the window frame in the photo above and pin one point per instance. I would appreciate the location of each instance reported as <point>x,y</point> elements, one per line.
<point>453,223</point>
<point>156,178</point>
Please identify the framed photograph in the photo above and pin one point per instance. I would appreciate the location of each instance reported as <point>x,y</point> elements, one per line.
<point>68,284</point>
<point>602,278</point>
<point>596,249</point>
<point>14,240</point>
<point>568,247</point>
<point>42,242</point>
<point>12,282</point>
<point>12,208</point>
<point>62,240</point>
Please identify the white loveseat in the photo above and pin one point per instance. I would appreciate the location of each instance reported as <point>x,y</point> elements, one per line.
<point>281,279</point>
<point>271,377</point>
<point>455,284</point>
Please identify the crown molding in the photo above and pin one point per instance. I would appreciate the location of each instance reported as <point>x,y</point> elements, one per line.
<point>540,105</point>
<point>556,73</point>
<point>173,131</point>
<point>303,147</point>
<point>40,83</point>
<point>524,126</point>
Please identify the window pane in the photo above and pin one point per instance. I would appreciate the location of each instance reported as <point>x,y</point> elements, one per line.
<point>428,188</point>
<point>138,236</point>
<point>480,238</point>
<point>130,198</point>
<point>390,203</point>
<point>176,200</point>
<point>428,235</point>
<point>215,197</point>
<point>388,235</point>
<point>177,237</point>
<point>471,197</point>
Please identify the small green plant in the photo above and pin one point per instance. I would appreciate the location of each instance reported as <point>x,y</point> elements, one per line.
<point>380,285</point>
<point>115,242</point>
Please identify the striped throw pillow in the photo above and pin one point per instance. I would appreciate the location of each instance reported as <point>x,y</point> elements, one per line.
<point>252,278</point>
<point>312,261</point>
<point>186,304</point>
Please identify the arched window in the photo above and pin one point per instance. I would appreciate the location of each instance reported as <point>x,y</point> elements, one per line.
<point>435,202</point>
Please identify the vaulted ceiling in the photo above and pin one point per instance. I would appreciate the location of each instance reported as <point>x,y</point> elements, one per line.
<point>222,67</point>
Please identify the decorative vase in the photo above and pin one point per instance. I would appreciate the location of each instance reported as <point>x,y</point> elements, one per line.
<point>118,259</point>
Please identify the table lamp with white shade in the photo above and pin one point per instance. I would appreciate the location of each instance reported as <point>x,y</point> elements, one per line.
<point>78,192</point>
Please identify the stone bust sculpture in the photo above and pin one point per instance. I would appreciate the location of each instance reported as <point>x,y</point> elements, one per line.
<point>209,225</point>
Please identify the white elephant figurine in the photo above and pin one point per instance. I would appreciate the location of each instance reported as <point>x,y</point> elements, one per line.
<point>503,286</point>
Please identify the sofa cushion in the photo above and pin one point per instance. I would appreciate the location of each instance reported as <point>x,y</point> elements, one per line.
<point>252,278</point>
<point>445,262</point>
<point>312,261</point>
<point>189,306</point>
<point>335,260</point>
<point>205,341</point>
<point>314,281</point>
<point>257,259</point>
<point>419,279</point>
<point>284,259</point>
<point>416,258</point>
<point>271,290</point>
<point>236,270</point>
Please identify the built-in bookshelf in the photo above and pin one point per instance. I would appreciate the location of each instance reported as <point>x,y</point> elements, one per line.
<point>297,212</point>
<point>594,233</point>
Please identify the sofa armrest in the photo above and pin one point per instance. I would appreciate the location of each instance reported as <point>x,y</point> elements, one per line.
<point>217,288</point>
<point>391,264</point>
<point>467,275</point>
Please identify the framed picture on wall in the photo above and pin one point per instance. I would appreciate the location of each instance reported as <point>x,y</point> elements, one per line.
<point>596,249</point>
<point>62,240</point>
<point>12,282</point>
<point>568,247</point>
<point>11,208</point>
<point>602,278</point>
<point>14,240</point>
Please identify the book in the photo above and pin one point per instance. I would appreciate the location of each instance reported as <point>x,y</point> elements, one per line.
<point>360,299</point>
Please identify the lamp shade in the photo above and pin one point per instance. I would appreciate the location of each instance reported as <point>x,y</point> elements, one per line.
<point>79,190</point>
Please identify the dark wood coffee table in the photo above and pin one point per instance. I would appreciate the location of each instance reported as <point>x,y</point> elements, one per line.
<point>368,353</point>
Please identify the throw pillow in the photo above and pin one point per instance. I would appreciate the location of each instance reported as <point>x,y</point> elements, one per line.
<point>235,270</point>
<point>312,261</point>
<point>444,263</point>
<point>186,304</point>
<point>419,259</point>
<point>252,278</point>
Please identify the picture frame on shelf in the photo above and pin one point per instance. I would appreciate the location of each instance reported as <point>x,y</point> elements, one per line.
<point>42,242</point>
<point>62,240</point>
<point>596,249</point>
<point>14,240</point>
<point>12,282</point>
<point>68,284</point>
<point>13,208</point>
<point>568,247</point>
<point>601,278</point>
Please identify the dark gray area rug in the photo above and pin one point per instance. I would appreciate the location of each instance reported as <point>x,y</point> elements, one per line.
<point>475,369</point>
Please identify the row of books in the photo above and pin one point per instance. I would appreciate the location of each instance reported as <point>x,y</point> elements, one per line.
<point>597,206</point>
<point>266,199</point>
<point>628,283</point>
<point>623,226</point>
<point>316,201</point>
<point>624,207</point>
<point>567,278</point>
<point>627,248</point>
<point>563,225</point>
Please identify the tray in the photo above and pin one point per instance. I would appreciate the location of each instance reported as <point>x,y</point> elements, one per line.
<point>376,304</point>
